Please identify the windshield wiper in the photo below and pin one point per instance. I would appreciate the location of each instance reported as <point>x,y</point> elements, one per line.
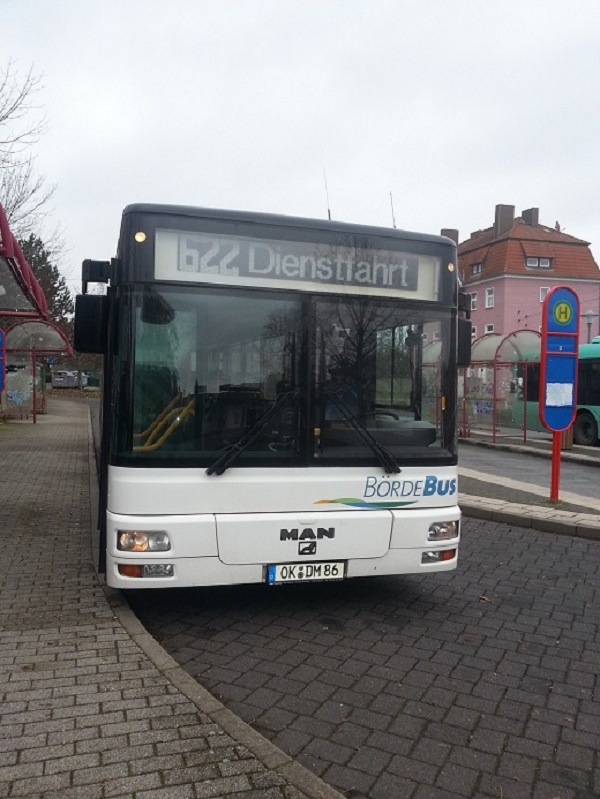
<point>231,452</point>
<point>385,457</point>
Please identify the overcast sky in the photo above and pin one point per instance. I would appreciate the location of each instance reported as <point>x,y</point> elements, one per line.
<point>452,106</point>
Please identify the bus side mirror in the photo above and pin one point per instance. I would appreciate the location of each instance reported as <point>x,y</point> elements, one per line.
<point>464,342</point>
<point>91,323</point>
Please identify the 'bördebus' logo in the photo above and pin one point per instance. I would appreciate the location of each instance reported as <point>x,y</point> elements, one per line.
<point>386,493</point>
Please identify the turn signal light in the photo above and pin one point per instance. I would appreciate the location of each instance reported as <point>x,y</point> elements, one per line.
<point>128,570</point>
<point>447,554</point>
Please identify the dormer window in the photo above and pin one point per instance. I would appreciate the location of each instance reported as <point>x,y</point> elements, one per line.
<point>476,269</point>
<point>538,263</point>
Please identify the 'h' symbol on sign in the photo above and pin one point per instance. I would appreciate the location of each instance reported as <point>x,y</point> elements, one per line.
<point>563,313</point>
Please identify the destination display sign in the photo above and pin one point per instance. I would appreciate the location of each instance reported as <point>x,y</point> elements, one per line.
<point>304,266</point>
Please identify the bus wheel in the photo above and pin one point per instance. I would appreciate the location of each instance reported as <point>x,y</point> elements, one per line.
<point>585,430</point>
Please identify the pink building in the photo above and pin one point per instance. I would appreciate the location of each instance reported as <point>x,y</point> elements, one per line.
<point>508,268</point>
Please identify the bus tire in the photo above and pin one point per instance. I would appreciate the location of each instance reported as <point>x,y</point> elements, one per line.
<point>585,430</point>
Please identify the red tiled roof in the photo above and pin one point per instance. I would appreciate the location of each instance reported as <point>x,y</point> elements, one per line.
<point>571,258</point>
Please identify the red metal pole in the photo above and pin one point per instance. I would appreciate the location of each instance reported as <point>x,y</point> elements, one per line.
<point>34,392</point>
<point>464,404</point>
<point>524,398</point>
<point>555,478</point>
<point>494,405</point>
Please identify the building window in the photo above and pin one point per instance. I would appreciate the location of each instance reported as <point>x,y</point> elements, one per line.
<point>538,263</point>
<point>476,269</point>
<point>473,332</point>
<point>543,291</point>
<point>436,335</point>
<point>489,298</point>
<point>473,301</point>
<point>489,328</point>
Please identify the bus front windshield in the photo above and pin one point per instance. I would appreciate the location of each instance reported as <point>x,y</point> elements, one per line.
<point>226,377</point>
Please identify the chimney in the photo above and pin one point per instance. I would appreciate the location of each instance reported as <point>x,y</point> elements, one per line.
<point>505,216</point>
<point>451,233</point>
<point>531,217</point>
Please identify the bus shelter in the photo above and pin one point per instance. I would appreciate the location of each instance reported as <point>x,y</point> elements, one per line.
<point>28,343</point>
<point>20,294</point>
<point>22,299</point>
<point>494,386</point>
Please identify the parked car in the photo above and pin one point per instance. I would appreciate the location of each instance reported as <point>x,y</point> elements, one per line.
<point>63,379</point>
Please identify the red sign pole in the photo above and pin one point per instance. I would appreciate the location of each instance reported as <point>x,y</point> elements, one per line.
<point>555,475</point>
<point>34,385</point>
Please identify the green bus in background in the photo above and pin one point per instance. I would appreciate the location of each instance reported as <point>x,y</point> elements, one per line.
<point>586,426</point>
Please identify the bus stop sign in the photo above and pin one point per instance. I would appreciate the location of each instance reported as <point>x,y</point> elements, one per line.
<point>558,365</point>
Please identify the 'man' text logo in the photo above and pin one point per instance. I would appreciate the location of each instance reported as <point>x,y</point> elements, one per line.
<point>295,534</point>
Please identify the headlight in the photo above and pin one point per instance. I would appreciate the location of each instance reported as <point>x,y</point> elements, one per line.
<point>442,531</point>
<point>143,541</point>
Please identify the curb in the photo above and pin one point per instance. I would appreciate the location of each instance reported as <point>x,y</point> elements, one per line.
<point>560,522</point>
<point>267,753</point>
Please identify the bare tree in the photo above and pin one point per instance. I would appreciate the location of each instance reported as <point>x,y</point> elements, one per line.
<point>24,195</point>
<point>17,130</point>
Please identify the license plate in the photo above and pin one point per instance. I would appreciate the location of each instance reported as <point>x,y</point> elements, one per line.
<point>305,572</point>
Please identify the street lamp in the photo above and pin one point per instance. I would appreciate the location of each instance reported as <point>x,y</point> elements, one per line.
<point>589,317</point>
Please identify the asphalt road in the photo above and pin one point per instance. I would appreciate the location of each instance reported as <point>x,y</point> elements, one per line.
<point>574,477</point>
<point>481,682</point>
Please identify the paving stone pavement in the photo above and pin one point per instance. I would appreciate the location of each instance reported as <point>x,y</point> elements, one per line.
<point>90,706</point>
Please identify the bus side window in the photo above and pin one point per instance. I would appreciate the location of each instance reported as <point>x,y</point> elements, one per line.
<point>594,384</point>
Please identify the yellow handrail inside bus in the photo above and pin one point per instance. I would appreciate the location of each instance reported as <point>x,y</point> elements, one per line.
<point>159,418</point>
<point>178,415</point>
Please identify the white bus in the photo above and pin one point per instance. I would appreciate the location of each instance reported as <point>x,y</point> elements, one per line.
<point>268,415</point>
